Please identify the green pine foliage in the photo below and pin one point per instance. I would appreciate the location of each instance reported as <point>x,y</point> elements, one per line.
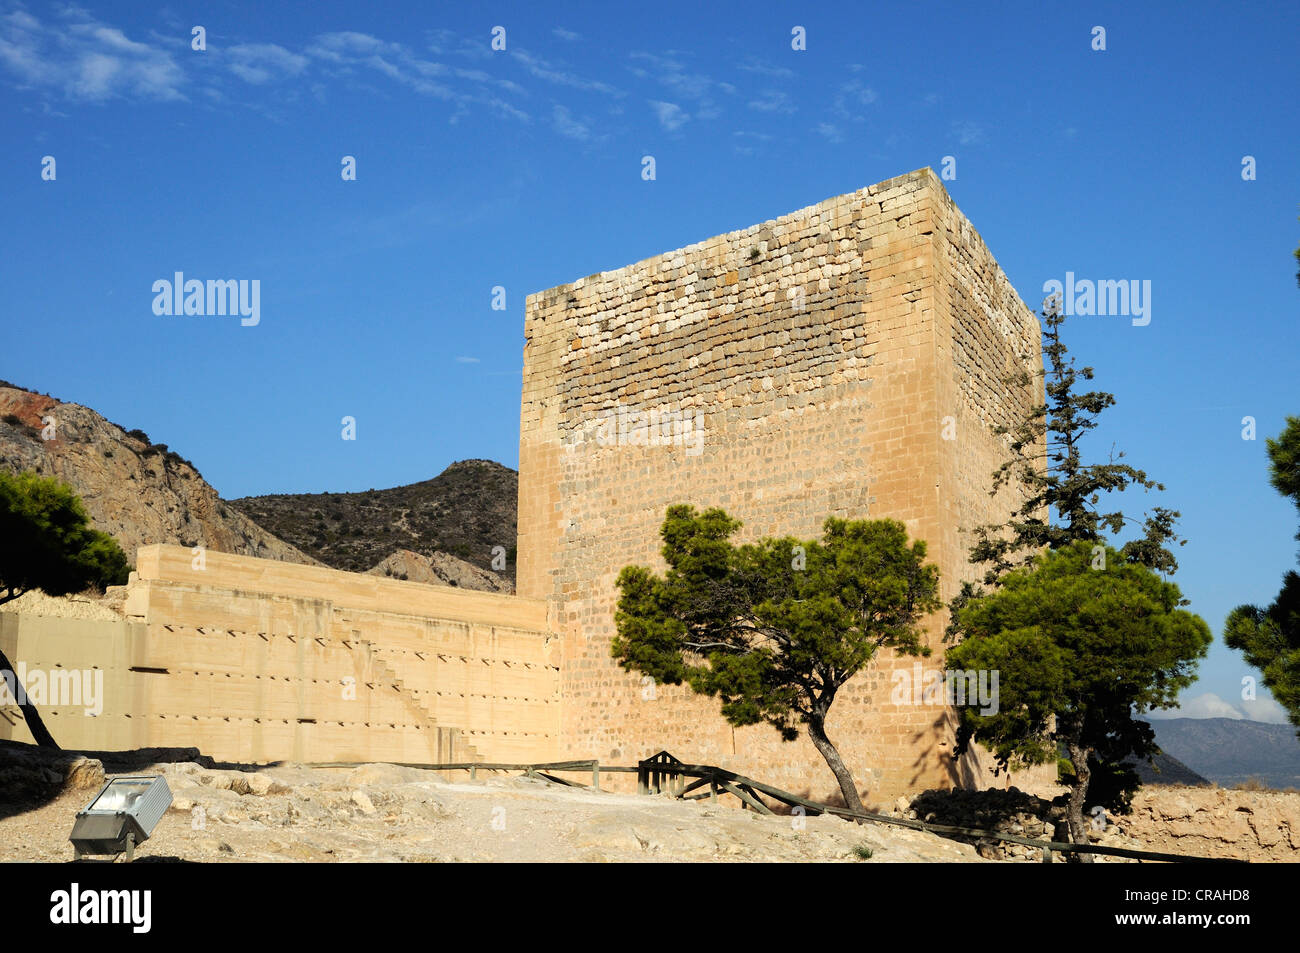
<point>46,540</point>
<point>1062,485</point>
<point>774,628</point>
<point>1084,642</point>
<point>1269,638</point>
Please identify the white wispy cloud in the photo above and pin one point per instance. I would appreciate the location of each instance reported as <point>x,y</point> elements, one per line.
<point>259,63</point>
<point>467,360</point>
<point>669,70</point>
<point>81,59</point>
<point>752,65</point>
<point>567,35</point>
<point>745,140</point>
<point>86,60</point>
<point>968,132</point>
<point>552,73</point>
<point>852,99</point>
<point>773,101</point>
<point>671,116</point>
<point>830,131</point>
<point>348,50</point>
<point>568,126</point>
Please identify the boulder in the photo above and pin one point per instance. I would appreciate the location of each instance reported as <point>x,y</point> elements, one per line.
<point>84,774</point>
<point>363,802</point>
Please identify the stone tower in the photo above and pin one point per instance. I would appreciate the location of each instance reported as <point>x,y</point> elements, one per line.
<point>847,359</point>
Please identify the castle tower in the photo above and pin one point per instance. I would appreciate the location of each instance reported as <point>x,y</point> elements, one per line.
<point>847,359</point>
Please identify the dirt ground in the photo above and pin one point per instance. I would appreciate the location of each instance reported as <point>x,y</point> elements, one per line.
<point>389,813</point>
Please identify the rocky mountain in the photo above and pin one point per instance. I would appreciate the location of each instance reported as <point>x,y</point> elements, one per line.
<point>1232,751</point>
<point>136,490</point>
<point>141,492</point>
<point>466,511</point>
<point>442,570</point>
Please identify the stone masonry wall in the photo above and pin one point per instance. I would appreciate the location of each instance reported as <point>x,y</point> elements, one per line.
<point>254,660</point>
<point>817,353</point>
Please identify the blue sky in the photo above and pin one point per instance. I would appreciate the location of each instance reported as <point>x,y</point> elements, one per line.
<point>520,168</point>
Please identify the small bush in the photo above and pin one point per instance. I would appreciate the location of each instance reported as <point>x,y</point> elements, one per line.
<point>863,852</point>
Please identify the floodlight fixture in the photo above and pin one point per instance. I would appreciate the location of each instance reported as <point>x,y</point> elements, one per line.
<point>121,816</point>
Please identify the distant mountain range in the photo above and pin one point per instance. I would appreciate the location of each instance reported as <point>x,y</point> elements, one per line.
<point>1232,751</point>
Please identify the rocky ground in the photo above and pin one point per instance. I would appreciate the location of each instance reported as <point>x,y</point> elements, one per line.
<point>1196,821</point>
<point>388,813</point>
<point>382,812</point>
<point>1217,822</point>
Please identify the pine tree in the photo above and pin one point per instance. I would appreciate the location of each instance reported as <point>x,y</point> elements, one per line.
<point>1063,485</point>
<point>1269,638</point>
<point>774,628</point>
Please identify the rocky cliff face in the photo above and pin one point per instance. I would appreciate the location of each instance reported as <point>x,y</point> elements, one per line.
<point>135,490</point>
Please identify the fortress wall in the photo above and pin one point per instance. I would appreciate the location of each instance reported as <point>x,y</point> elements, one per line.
<point>816,351</point>
<point>51,645</point>
<point>281,699</point>
<point>356,590</point>
<point>256,676</point>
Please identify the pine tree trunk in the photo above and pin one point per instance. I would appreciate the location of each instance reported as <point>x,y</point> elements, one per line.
<point>849,790</point>
<point>1078,792</point>
<point>30,714</point>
